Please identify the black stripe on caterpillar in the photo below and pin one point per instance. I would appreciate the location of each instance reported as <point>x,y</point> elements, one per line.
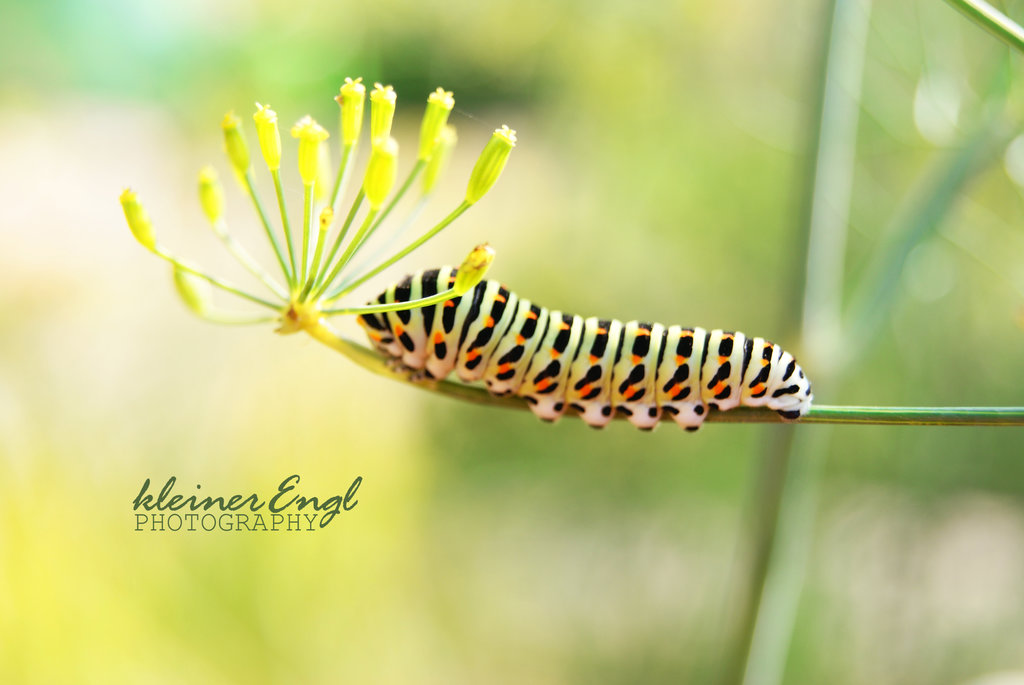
<point>596,367</point>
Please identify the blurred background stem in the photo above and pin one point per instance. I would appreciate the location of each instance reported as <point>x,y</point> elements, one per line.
<point>992,20</point>
<point>786,489</point>
<point>784,510</point>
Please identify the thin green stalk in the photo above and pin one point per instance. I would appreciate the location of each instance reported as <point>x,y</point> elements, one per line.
<point>341,179</point>
<point>395,306</point>
<point>868,303</point>
<point>883,416</point>
<point>992,20</point>
<point>234,320</point>
<point>250,188</point>
<point>379,251</point>
<point>245,259</point>
<point>161,252</point>
<point>774,585</point>
<point>307,218</point>
<point>417,168</point>
<point>318,282</point>
<point>455,214</point>
<point>276,174</point>
<point>321,242</point>
<point>353,245</point>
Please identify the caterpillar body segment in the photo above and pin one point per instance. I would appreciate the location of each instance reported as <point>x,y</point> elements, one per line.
<point>596,367</point>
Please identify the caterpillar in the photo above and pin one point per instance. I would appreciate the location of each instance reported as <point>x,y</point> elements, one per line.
<point>596,367</point>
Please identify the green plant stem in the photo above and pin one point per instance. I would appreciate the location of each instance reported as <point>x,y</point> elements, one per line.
<point>342,177</point>
<point>395,306</point>
<point>321,241</point>
<point>455,214</point>
<point>882,416</point>
<point>250,188</point>
<point>234,320</point>
<point>413,173</point>
<point>417,168</point>
<point>353,245</point>
<point>319,282</point>
<point>776,571</point>
<point>868,303</point>
<point>161,252</point>
<point>379,251</point>
<point>245,259</point>
<point>279,191</point>
<point>307,219</point>
<point>992,20</point>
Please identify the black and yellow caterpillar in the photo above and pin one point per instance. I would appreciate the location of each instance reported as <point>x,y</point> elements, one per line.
<point>594,366</point>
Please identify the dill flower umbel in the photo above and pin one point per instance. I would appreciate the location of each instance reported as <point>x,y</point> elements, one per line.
<point>317,264</point>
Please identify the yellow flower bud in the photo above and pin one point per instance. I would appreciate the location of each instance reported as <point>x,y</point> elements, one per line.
<point>234,143</point>
<point>138,220</point>
<point>310,135</point>
<point>439,106</point>
<point>381,171</point>
<point>211,194</point>
<point>326,217</point>
<point>194,291</point>
<point>322,187</point>
<point>382,111</point>
<point>445,144</point>
<point>351,100</point>
<point>269,136</point>
<point>490,164</point>
<point>472,270</point>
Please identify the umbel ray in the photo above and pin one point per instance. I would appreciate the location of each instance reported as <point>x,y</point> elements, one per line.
<point>442,320</point>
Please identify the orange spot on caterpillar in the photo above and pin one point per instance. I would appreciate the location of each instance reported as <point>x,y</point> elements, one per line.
<point>564,326</point>
<point>642,331</point>
<point>449,303</point>
<point>472,354</point>
<point>375,335</point>
<point>438,338</point>
<point>489,323</point>
<point>680,359</point>
<point>399,330</point>
<point>520,339</point>
<point>531,314</point>
<point>594,359</point>
<point>502,368</point>
<point>555,354</point>
<point>601,331</point>
<point>543,385</point>
<point>719,387</point>
<point>585,390</point>
<point>637,358</point>
<point>500,298</point>
<point>722,359</point>
<point>630,391</point>
<point>757,388</point>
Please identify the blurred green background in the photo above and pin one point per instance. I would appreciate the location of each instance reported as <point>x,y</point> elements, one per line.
<point>658,176</point>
